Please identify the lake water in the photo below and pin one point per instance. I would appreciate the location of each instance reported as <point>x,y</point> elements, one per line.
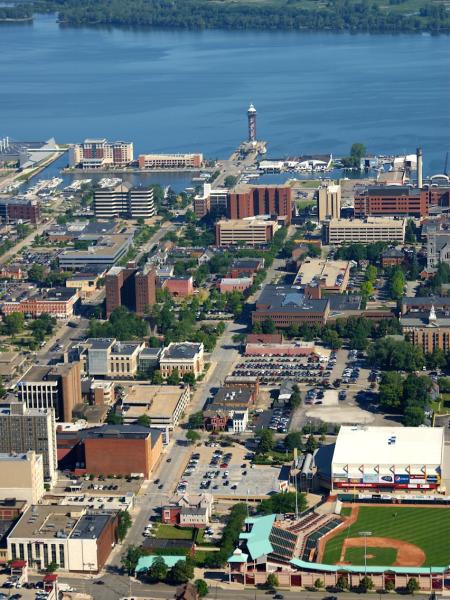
<point>189,91</point>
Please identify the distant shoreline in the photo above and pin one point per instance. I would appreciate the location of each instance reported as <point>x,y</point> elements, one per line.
<point>16,19</point>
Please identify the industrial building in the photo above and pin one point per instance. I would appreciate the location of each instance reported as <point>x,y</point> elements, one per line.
<point>252,231</point>
<point>287,306</point>
<point>22,476</point>
<point>72,537</point>
<point>57,387</point>
<point>124,201</point>
<point>103,253</point>
<point>25,155</point>
<point>391,201</point>
<point>388,458</point>
<point>23,429</point>
<point>184,357</point>
<point>132,287</point>
<point>99,154</point>
<point>364,231</point>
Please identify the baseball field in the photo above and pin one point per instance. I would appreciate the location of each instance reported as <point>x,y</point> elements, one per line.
<point>395,535</point>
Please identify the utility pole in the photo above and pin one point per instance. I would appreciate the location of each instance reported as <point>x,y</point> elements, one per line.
<point>365,534</point>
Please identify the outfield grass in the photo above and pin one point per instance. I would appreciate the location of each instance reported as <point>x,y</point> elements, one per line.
<point>378,556</point>
<point>427,528</point>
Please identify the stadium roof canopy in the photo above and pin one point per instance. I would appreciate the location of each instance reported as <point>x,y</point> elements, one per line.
<point>389,445</point>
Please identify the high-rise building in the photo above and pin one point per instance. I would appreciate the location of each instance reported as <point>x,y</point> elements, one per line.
<point>124,201</point>
<point>99,153</point>
<point>211,201</point>
<point>329,202</point>
<point>251,117</point>
<point>251,201</point>
<point>57,387</point>
<point>130,287</point>
<point>23,429</point>
<point>22,476</point>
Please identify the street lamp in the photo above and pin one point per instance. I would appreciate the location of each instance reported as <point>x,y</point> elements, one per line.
<point>365,534</point>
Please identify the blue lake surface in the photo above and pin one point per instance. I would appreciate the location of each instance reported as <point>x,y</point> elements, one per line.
<point>189,91</point>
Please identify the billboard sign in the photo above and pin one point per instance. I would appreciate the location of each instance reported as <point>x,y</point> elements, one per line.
<point>386,478</point>
<point>401,478</point>
<point>370,478</point>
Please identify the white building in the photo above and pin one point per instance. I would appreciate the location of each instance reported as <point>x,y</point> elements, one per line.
<point>238,421</point>
<point>365,231</point>
<point>388,458</point>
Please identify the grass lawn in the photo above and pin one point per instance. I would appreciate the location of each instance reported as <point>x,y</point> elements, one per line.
<point>378,556</point>
<point>346,511</point>
<point>169,532</point>
<point>425,527</point>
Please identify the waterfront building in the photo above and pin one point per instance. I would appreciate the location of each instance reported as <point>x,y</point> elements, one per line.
<point>124,201</point>
<point>100,154</point>
<point>171,161</point>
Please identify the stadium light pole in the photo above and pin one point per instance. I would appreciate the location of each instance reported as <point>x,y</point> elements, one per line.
<point>365,534</point>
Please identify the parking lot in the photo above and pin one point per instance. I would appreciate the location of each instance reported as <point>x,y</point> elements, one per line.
<point>226,472</point>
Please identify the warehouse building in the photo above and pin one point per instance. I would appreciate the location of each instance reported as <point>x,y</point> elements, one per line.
<point>388,458</point>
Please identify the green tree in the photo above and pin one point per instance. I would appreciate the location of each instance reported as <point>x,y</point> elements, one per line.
<point>130,558</point>
<point>318,584</point>
<point>272,581</point>
<point>367,289</point>
<point>14,323</point>
<point>158,570</point>
<point>342,583</point>
<point>193,436</point>
<point>189,378</point>
<point>413,416</point>
<point>365,584</point>
<point>174,377</point>
<point>389,586</point>
<point>202,587</point>
<point>266,441</point>
<point>144,420</point>
<point>124,524</point>
<point>412,585</point>
<point>391,391</point>
<point>311,444</point>
<point>181,572</point>
<point>157,378</point>
<point>36,273</point>
<point>284,502</point>
<point>268,326</point>
<point>371,273</point>
<point>293,440</point>
<point>196,420</point>
<point>397,283</point>
<point>114,419</point>
<point>230,181</point>
<point>52,567</point>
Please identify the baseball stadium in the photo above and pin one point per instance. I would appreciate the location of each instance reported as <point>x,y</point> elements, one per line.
<point>386,518</point>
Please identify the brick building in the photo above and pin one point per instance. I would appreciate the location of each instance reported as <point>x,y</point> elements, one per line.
<point>58,302</point>
<point>238,284</point>
<point>115,449</point>
<point>430,330</point>
<point>131,287</point>
<point>13,209</point>
<point>179,287</point>
<point>391,201</point>
<point>250,201</point>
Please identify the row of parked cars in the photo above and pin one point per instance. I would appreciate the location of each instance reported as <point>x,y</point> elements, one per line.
<point>299,369</point>
<point>280,420</point>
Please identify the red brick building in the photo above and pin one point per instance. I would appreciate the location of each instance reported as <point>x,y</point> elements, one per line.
<point>130,287</point>
<point>24,210</point>
<point>396,201</point>
<point>251,201</point>
<point>58,302</point>
<point>179,287</point>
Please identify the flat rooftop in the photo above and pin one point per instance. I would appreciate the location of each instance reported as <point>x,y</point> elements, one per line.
<point>285,298</point>
<point>389,445</point>
<point>315,270</point>
<point>368,222</point>
<point>155,401</point>
<point>107,246</point>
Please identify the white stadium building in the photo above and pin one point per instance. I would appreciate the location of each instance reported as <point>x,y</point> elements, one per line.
<point>388,458</point>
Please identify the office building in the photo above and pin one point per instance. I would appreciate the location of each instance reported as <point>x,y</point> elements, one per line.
<point>430,329</point>
<point>251,231</point>
<point>130,287</point>
<point>395,200</point>
<point>329,202</point>
<point>287,306</point>
<point>364,231</point>
<point>22,476</point>
<point>388,457</point>
<point>57,387</point>
<point>328,275</point>
<point>101,254</point>
<point>170,161</point>
<point>15,209</point>
<point>23,429</point>
<point>99,153</point>
<point>106,357</point>
<point>124,201</point>
<point>255,200</point>
<point>185,357</point>
<point>58,302</point>
<point>125,450</point>
<point>211,201</point>
<point>74,538</point>
<point>164,405</point>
